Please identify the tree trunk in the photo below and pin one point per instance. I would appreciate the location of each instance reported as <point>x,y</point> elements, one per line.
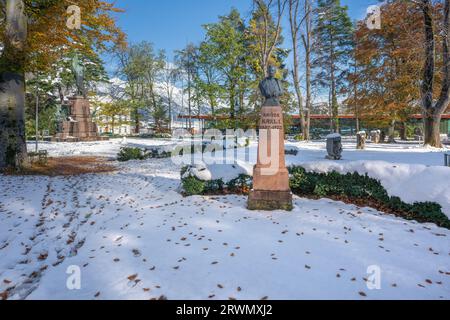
<point>170,114</point>
<point>403,133</point>
<point>13,147</point>
<point>137,123</point>
<point>189,102</point>
<point>212,104</point>
<point>307,45</point>
<point>432,132</point>
<point>433,110</point>
<point>391,134</point>
<point>293,21</point>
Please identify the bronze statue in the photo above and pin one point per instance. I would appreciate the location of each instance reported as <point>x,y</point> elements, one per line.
<point>271,88</point>
<point>78,70</point>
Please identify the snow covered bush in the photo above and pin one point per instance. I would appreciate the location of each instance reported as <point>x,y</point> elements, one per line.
<point>127,154</point>
<point>200,172</point>
<point>197,180</point>
<point>193,186</point>
<point>241,185</point>
<point>363,189</point>
<point>194,179</point>
<point>215,186</point>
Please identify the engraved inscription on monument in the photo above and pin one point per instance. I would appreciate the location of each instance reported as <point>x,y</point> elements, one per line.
<point>271,121</point>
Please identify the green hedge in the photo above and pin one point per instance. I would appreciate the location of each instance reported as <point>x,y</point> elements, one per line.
<point>193,186</point>
<point>353,187</point>
<point>356,187</point>
<point>127,154</point>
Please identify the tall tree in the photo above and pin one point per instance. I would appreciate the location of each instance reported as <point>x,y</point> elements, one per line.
<point>300,27</point>
<point>332,50</point>
<point>153,66</point>
<point>385,80</point>
<point>266,27</point>
<point>28,30</point>
<point>113,112</point>
<point>225,40</point>
<point>210,75</point>
<point>134,63</point>
<point>13,150</point>
<point>432,109</point>
<point>307,44</point>
<point>186,60</point>
<point>170,77</point>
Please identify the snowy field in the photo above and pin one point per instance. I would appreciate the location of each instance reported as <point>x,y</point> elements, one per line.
<point>133,236</point>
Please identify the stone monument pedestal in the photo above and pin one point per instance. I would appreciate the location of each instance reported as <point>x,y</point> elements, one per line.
<point>80,127</point>
<point>271,189</point>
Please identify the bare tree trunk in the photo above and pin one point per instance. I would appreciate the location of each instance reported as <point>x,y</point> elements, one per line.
<point>137,122</point>
<point>433,111</point>
<point>391,134</point>
<point>270,41</point>
<point>403,133</point>
<point>307,44</point>
<point>13,148</point>
<point>333,89</point>
<point>295,28</point>
<point>189,101</point>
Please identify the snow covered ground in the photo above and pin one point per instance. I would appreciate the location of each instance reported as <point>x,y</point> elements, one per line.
<point>133,236</point>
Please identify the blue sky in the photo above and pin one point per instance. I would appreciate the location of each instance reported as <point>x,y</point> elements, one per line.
<point>171,24</point>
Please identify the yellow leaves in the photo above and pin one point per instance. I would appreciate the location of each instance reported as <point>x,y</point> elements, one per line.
<point>49,37</point>
<point>390,63</point>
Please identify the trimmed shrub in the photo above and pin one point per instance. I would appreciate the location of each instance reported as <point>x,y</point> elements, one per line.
<point>354,186</point>
<point>127,154</point>
<point>242,184</point>
<point>193,186</point>
<point>214,186</point>
<point>429,212</point>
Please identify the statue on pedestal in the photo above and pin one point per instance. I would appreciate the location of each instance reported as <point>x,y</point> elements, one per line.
<point>78,70</point>
<point>271,189</point>
<point>78,124</point>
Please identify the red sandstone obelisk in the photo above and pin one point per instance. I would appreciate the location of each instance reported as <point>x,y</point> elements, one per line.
<point>271,189</point>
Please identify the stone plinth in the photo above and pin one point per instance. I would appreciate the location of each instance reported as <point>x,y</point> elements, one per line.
<point>79,126</point>
<point>271,189</point>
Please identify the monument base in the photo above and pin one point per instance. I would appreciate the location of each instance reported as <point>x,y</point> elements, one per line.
<point>270,200</point>
<point>79,127</point>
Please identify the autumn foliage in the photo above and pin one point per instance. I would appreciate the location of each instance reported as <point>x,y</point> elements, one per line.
<point>388,65</point>
<point>385,80</point>
<point>49,37</point>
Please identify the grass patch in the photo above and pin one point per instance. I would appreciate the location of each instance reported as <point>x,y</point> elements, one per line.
<point>66,166</point>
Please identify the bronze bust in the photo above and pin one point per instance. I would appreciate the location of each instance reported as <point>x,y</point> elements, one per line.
<point>271,88</point>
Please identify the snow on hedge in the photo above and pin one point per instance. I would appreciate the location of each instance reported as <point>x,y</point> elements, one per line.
<point>226,172</point>
<point>412,183</point>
